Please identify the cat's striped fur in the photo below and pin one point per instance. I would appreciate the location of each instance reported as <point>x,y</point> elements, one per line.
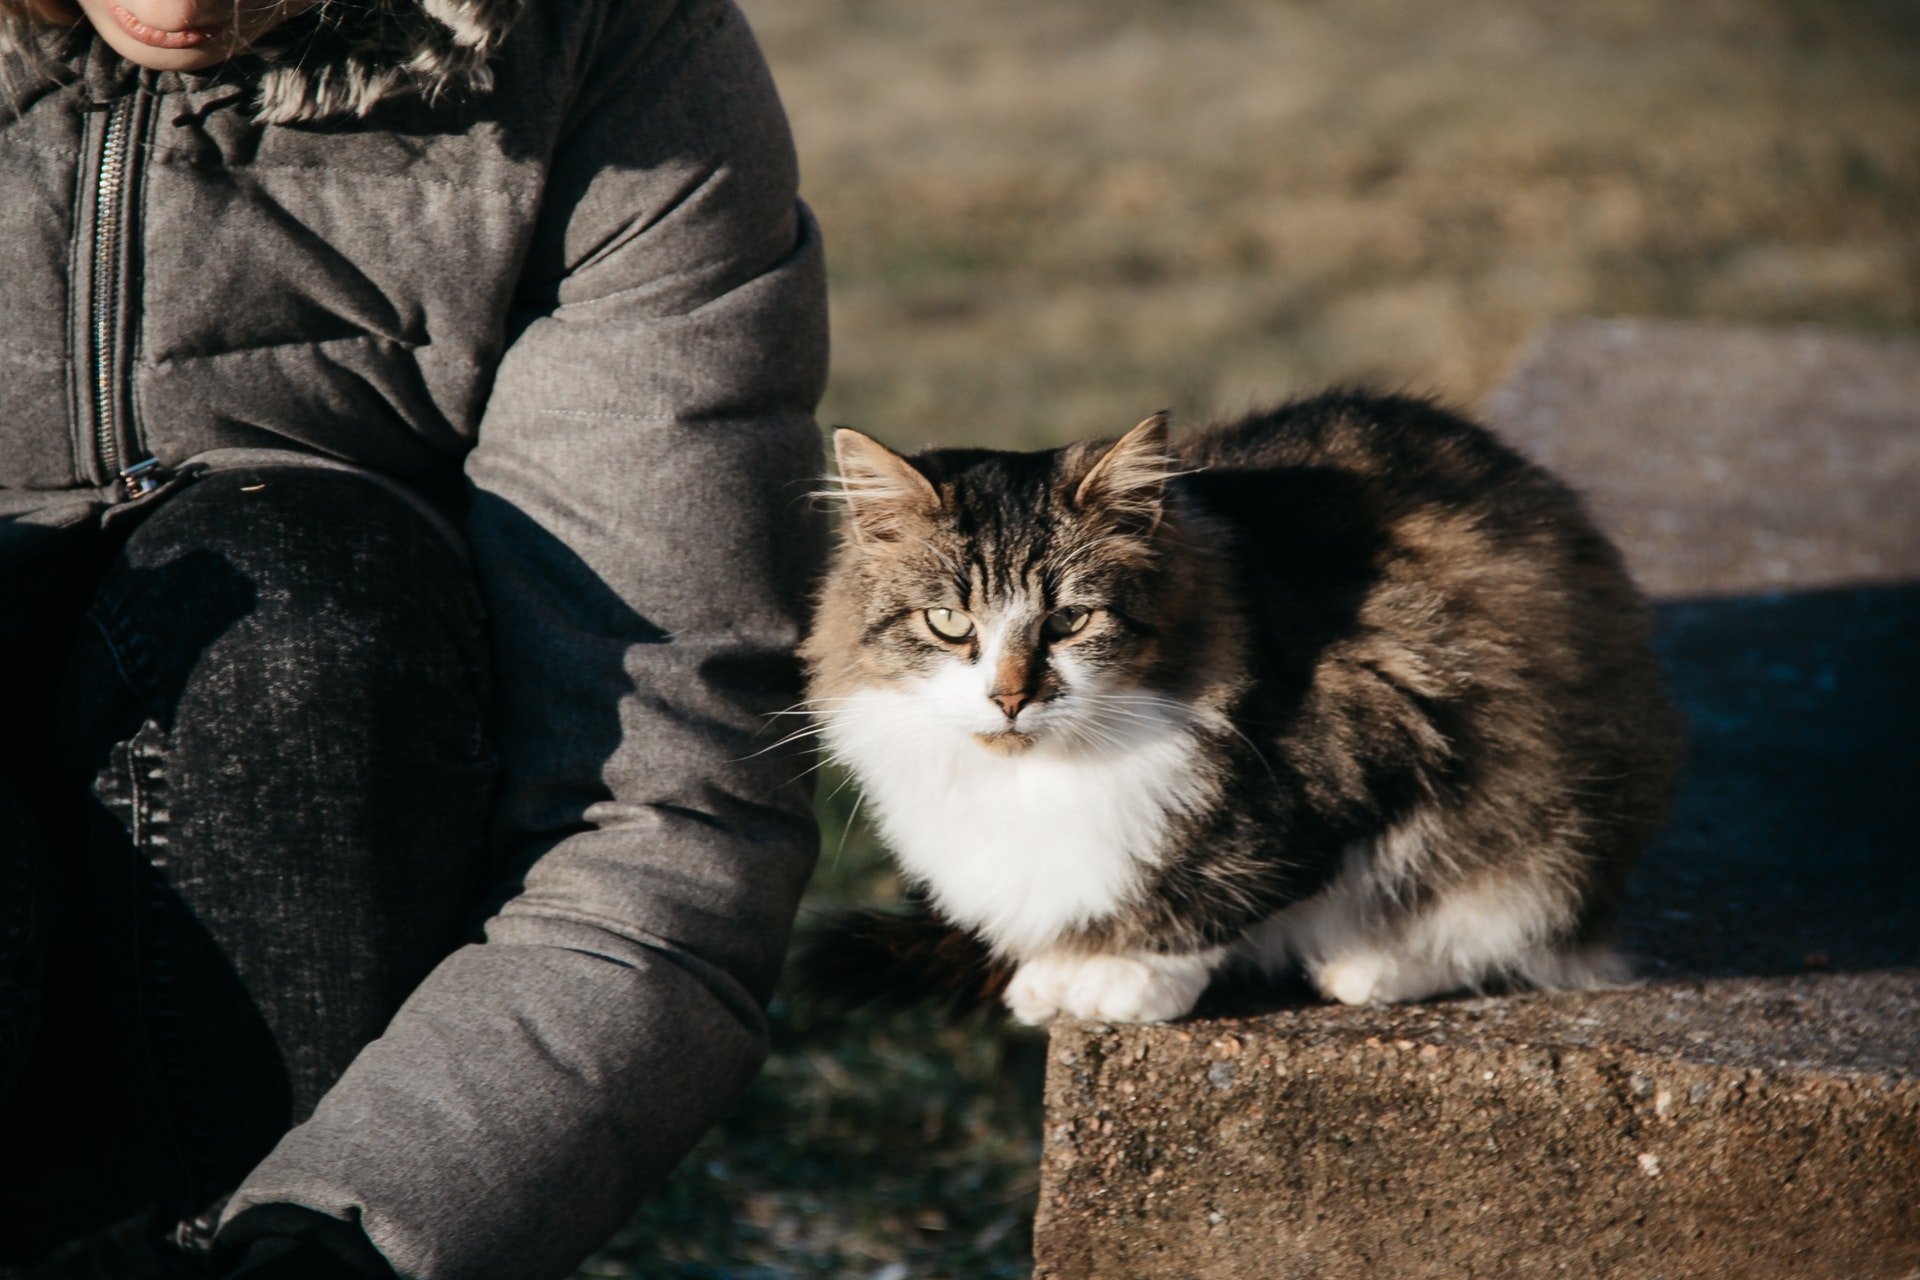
<point>1347,685</point>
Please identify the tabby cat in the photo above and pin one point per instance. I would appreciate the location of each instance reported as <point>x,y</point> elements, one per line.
<point>1348,685</point>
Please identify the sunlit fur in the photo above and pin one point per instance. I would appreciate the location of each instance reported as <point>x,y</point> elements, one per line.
<point>1360,691</point>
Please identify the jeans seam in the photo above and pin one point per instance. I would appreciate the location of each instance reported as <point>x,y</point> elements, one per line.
<point>157,998</point>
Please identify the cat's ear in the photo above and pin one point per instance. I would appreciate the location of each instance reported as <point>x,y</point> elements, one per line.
<point>884,492</point>
<point>1130,479</point>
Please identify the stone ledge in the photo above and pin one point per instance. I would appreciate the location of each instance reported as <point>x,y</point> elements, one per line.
<point>1601,1134</point>
<point>1753,1109</point>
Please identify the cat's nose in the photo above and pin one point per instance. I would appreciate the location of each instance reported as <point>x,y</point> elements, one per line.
<point>1011,702</point>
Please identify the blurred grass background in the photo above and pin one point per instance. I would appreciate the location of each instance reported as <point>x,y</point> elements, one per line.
<point>1045,220</point>
<point>1048,219</point>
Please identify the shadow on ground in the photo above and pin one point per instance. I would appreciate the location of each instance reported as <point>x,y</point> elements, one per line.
<point>1790,846</point>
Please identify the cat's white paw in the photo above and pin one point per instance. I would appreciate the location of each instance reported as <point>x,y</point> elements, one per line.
<point>1365,977</point>
<point>1108,988</point>
<point>1121,989</point>
<point>1382,977</point>
<point>1037,993</point>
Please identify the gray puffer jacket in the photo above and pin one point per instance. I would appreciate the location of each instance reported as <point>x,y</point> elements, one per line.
<point>560,250</point>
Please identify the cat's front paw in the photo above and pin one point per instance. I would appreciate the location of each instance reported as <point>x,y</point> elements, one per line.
<point>1107,988</point>
<point>1037,992</point>
<point>1364,977</point>
<point>1122,989</point>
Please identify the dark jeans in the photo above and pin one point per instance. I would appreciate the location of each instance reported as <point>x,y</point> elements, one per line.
<point>234,834</point>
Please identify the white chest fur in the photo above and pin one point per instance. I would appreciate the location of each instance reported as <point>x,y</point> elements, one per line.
<point>1021,847</point>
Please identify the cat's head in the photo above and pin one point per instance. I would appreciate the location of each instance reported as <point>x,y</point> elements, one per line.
<point>1019,600</point>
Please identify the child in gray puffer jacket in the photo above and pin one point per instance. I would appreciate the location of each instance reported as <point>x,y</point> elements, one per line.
<point>405,419</point>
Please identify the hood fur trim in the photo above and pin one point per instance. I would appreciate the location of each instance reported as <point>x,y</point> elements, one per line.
<point>342,58</point>
<point>349,55</point>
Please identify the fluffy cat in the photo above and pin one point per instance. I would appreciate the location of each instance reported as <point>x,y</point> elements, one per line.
<point>1347,685</point>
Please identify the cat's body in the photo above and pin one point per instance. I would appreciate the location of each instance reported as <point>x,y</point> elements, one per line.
<point>1347,685</point>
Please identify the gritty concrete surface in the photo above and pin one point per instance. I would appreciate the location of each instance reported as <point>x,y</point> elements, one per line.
<point>1752,1107</point>
<point>1472,1139</point>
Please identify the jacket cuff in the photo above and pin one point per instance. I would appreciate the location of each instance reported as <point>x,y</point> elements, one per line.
<point>292,1242</point>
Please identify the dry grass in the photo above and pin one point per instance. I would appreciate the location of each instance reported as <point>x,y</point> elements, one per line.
<point>1047,219</point>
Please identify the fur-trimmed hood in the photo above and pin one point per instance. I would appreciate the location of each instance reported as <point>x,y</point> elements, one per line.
<point>341,58</point>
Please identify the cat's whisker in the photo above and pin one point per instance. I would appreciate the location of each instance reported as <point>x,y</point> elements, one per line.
<point>1126,707</point>
<point>1134,717</point>
<point>1090,731</point>
<point>815,767</point>
<point>812,731</point>
<point>822,714</point>
<point>823,723</point>
<point>804,703</point>
<point>833,752</point>
<point>1135,713</point>
<point>853,815</point>
<point>814,725</point>
<point>844,784</point>
<point>815,708</point>
<point>822,759</point>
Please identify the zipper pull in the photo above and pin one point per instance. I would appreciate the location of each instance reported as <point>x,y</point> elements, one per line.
<point>142,478</point>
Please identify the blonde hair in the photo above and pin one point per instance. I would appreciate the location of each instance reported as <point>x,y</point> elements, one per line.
<point>28,30</point>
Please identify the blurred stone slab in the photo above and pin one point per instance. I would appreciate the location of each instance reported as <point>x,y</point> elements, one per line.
<point>1752,1109</point>
<point>1728,461</point>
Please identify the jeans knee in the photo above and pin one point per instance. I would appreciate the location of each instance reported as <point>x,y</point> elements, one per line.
<point>307,649</point>
<point>276,713</point>
<point>286,592</point>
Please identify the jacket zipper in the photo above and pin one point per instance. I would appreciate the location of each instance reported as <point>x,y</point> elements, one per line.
<point>112,235</point>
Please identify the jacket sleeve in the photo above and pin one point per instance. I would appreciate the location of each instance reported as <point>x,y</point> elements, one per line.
<point>639,526</point>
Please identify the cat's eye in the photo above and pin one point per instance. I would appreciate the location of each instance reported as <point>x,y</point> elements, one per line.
<point>1066,622</point>
<point>949,624</point>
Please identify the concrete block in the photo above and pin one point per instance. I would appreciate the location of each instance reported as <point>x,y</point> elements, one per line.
<point>1752,1107</point>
